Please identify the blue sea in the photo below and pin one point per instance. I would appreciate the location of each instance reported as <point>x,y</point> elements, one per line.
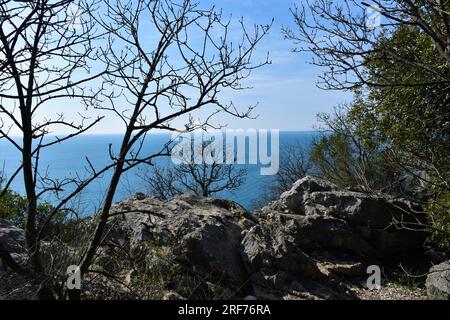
<point>68,159</point>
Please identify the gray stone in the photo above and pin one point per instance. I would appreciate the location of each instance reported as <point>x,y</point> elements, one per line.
<point>369,225</point>
<point>11,237</point>
<point>269,247</point>
<point>323,217</point>
<point>295,198</point>
<point>205,233</point>
<point>438,282</point>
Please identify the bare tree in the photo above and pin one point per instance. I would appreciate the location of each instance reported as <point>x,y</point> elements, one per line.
<point>344,43</point>
<point>206,178</point>
<point>295,164</point>
<point>46,59</point>
<point>147,84</point>
<point>188,61</point>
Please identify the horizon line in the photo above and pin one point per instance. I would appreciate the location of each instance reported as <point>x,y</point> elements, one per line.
<point>169,132</point>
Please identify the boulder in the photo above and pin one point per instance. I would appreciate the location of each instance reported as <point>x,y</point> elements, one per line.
<point>360,209</point>
<point>203,233</point>
<point>438,282</point>
<point>269,248</point>
<point>12,238</point>
<point>13,286</point>
<point>12,242</point>
<point>412,186</point>
<point>387,225</point>
<point>295,198</point>
<point>279,268</point>
<point>323,217</point>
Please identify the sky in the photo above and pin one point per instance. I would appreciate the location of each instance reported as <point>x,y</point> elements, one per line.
<point>285,91</point>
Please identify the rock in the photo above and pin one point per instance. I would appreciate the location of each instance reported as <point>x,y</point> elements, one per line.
<point>204,234</point>
<point>316,233</point>
<point>283,286</point>
<point>12,238</point>
<point>285,251</point>
<point>438,282</point>
<point>412,186</point>
<point>323,217</point>
<point>12,245</point>
<point>172,295</point>
<point>361,209</point>
<point>14,286</point>
<point>295,198</point>
<point>378,221</point>
<point>267,247</point>
<point>140,196</point>
<point>350,269</point>
<point>279,267</point>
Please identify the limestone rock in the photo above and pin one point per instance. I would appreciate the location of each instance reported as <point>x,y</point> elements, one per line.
<point>204,233</point>
<point>11,237</point>
<point>295,198</point>
<point>438,282</point>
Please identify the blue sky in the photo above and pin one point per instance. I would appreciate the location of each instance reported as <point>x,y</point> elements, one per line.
<point>285,91</point>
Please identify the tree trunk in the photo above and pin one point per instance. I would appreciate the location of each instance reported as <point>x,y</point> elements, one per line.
<point>31,239</point>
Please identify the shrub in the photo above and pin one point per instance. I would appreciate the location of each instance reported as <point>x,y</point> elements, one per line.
<point>13,207</point>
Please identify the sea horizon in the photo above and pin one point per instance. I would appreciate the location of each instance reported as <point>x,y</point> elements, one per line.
<point>69,158</point>
<point>170,132</point>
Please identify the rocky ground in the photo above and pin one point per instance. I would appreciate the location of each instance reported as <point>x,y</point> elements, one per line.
<point>315,242</point>
<point>391,292</point>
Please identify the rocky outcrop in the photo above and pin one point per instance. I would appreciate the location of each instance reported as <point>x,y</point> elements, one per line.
<point>13,286</point>
<point>203,234</point>
<point>12,241</point>
<point>438,282</point>
<point>356,223</point>
<point>11,237</point>
<point>317,232</point>
<point>295,199</point>
<point>412,186</point>
<point>307,245</point>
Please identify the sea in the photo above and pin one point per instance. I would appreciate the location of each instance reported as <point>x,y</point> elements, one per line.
<point>69,159</point>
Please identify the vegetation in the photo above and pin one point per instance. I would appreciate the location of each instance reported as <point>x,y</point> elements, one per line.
<point>348,159</point>
<point>295,164</point>
<point>202,178</point>
<point>103,64</point>
<point>398,123</point>
<point>13,207</point>
<point>439,210</point>
<point>399,71</point>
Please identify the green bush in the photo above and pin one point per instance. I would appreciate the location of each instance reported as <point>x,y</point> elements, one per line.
<point>354,156</point>
<point>13,207</point>
<point>439,211</point>
<point>351,157</point>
